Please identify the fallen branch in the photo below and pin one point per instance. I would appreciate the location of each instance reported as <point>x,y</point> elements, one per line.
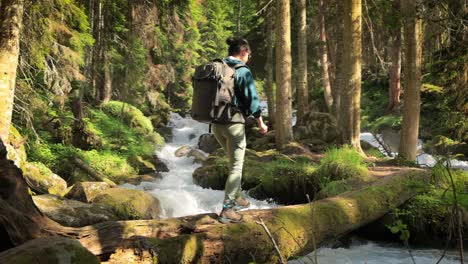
<point>272,239</point>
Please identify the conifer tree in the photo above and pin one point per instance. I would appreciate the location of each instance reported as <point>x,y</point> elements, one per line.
<point>412,74</point>
<point>302,88</point>
<point>283,74</point>
<point>350,80</point>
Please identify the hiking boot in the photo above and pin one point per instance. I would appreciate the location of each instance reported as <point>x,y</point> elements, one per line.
<point>241,203</point>
<point>229,214</point>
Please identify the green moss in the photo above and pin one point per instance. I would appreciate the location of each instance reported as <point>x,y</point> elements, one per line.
<point>109,164</point>
<point>131,115</point>
<point>336,187</point>
<point>129,204</point>
<point>286,181</point>
<point>180,249</point>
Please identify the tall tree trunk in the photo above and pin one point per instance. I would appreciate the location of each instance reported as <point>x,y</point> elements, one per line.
<point>350,108</point>
<point>107,86</point>
<point>302,88</point>
<point>339,78</point>
<point>270,38</point>
<point>96,13</point>
<point>327,88</point>
<point>395,71</point>
<point>283,74</point>
<point>11,15</point>
<point>412,74</point>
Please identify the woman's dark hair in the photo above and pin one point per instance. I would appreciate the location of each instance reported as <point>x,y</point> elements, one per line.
<point>236,45</point>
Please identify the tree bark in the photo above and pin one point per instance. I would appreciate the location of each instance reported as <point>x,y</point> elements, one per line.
<point>20,219</point>
<point>327,88</point>
<point>412,75</point>
<point>339,78</point>
<point>350,90</point>
<point>107,86</point>
<point>283,74</point>
<point>395,71</point>
<point>11,16</point>
<point>302,88</point>
<point>269,84</point>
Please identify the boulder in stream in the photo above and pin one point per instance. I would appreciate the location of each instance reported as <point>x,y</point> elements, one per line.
<point>208,143</point>
<point>42,180</point>
<point>87,191</point>
<point>129,204</point>
<point>72,213</point>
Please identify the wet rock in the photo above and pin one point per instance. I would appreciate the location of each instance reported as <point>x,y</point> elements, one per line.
<point>50,250</point>
<point>159,164</point>
<point>87,191</point>
<point>72,213</point>
<point>208,143</point>
<point>137,179</point>
<point>42,180</point>
<point>130,204</point>
<point>391,139</point>
<point>198,155</point>
<point>182,151</point>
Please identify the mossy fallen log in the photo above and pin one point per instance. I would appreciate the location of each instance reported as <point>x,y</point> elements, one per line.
<point>297,229</point>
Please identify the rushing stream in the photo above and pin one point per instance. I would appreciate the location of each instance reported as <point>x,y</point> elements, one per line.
<point>179,196</point>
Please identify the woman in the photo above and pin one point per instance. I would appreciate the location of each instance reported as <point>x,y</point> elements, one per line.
<point>231,136</point>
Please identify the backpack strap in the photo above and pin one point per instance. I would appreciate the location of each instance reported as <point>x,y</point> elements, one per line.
<point>240,65</point>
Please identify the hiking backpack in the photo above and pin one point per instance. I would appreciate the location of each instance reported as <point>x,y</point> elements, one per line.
<point>213,92</point>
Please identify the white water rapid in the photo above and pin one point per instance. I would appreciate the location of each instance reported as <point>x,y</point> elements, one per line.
<point>179,196</point>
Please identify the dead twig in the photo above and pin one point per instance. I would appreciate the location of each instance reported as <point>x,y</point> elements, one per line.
<point>271,238</point>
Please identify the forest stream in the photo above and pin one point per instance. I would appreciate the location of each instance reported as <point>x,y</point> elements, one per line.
<point>179,196</point>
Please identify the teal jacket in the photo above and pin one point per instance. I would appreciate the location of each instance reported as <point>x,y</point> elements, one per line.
<point>246,97</point>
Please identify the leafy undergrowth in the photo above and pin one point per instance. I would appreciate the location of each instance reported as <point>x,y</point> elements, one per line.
<point>428,217</point>
<point>126,141</point>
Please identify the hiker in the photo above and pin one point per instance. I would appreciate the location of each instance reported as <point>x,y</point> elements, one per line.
<point>231,135</point>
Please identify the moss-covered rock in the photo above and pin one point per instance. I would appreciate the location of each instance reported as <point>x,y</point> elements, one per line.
<point>208,143</point>
<point>317,128</point>
<point>86,191</point>
<point>15,147</point>
<point>42,180</point>
<point>285,177</point>
<point>50,250</point>
<point>73,213</point>
<point>130,204</point>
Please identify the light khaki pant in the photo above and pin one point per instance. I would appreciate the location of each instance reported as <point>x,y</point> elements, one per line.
<point>232,139</point>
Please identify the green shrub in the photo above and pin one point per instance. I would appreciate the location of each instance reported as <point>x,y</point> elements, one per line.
<point>339,164</point>
<point>131,115</point>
